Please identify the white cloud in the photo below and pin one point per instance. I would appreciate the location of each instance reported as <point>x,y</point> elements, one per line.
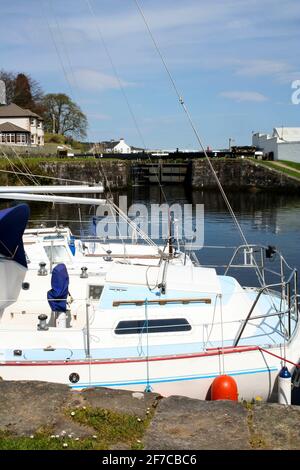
<point>289,77</point>
<point>92,80</point>
<point>124,23</point>
<point>99,116</point>
<point>240,96</point>
<point>260,67</point>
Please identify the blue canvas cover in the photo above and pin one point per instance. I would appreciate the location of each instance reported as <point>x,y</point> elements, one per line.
<point>13,222</point>
<point>57,296</point>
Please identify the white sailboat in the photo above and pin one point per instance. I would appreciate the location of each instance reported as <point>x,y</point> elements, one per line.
<point>87,260</point>
<point>168,328</point>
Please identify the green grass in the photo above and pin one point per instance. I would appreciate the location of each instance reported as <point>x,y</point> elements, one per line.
<point>281,169</point>
<point>109,427</point>
<point>294,165</point>
<point>112,427</point>
<point>256,440</point>
<point>43,441</point>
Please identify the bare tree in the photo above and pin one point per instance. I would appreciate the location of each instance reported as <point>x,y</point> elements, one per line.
<point>63,116</point>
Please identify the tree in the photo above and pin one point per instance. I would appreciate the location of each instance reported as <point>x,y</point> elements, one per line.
<point>23,96</point>
<point>23,90</point>
<point>28,93</point>
<point>63,116</point>
<point>36,91</point>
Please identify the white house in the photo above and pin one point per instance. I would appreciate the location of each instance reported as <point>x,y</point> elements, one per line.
<point>112,146</point>
<point>283,144</point>
<point>20,126</point>
<point>121,147</point>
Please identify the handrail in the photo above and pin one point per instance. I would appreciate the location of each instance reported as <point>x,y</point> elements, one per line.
<point>252,309</point>
<point>261,247</point>
<point>118,303</point>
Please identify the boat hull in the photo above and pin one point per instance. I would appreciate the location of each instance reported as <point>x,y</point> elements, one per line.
<point>190,375</point>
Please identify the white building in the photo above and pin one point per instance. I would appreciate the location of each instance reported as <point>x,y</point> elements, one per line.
<point>283,144</point>
<point>121,147</point>
<point>112,146</point>
<point>20,126</point>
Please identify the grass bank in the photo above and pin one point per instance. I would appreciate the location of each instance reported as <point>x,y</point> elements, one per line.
<point>282,169</point>
<point>110,429</point>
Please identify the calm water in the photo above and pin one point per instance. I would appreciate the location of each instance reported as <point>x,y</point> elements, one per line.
<point>267,219</point>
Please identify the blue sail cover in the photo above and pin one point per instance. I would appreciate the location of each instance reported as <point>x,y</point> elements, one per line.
<point>13,222</point>
<point>57,296</point>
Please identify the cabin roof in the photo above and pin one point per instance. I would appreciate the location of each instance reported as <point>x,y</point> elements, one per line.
<point>182,278</point>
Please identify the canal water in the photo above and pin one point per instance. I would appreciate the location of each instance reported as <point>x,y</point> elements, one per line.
<point>266,219</point>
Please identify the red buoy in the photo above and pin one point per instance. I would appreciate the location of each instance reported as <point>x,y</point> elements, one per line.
<point>224,387</point>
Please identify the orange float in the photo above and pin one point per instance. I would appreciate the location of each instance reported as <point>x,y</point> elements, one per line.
<point>224,387</point>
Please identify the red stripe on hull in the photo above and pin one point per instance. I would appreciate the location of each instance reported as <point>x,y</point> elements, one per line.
<point>210,352</point>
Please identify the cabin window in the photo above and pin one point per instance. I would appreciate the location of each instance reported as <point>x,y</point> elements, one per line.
<point>169,325</point>
<point>95,292</point>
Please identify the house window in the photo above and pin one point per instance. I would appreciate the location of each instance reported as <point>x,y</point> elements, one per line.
<point>32,139</point>
<point>12,138</point>
<point>23,138</point>
<point>40,124</point>
<point>32,121</point>
<point>154,326</point>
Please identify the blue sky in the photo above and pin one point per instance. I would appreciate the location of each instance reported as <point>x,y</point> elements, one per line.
<point>234,62</point>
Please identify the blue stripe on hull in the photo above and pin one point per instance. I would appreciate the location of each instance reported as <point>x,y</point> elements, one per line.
<point>175,379</point>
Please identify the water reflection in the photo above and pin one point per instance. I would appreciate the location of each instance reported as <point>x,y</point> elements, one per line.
<point>266,218</point>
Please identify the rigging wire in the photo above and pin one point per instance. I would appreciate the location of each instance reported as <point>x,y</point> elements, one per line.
<point>116,74</point>
<point>22,162</point>
<point>64,46</point>
<point>44,6</point>
<point>199,140</point>
<point>181,101</point>
<point>114,69</point>
<point>119,81</point>
<point>12,165</point>
<point>46,177</point>
<point>131,112</point>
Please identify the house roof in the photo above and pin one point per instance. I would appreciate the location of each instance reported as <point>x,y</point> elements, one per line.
<point>110,144</point>
<point>106,145</point>
<point>287,134</point>
<point>13,110</point>
<point>9,127</point>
